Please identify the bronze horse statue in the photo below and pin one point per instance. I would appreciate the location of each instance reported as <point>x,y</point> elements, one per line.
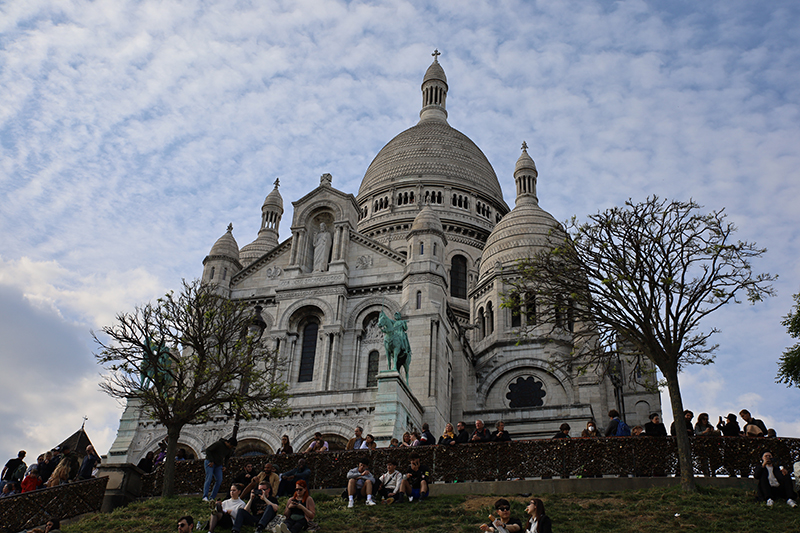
<point>395,340</point>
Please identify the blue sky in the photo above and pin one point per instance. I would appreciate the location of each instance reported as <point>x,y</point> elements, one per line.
<point>132,133</point>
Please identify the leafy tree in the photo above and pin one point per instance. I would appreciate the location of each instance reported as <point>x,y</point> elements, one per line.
<point>789,364</point>
<point>637,281</point>
<point>185,357</point>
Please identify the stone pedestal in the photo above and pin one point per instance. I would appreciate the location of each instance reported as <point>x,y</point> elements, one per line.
<point>395,408</point>
<point>127,431</point>
<point>124,485</point>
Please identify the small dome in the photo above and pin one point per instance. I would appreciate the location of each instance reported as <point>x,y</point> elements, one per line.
<point>226,245</point>
<point>526,230</point>
<point>274,198</point>
<point>525,162</point>
<point>427,220</point>
<point>434,72</point>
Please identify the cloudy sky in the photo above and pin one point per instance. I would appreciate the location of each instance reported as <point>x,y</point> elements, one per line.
<point>132,133</point>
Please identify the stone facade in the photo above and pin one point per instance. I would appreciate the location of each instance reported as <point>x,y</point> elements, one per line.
<point>430,236</point>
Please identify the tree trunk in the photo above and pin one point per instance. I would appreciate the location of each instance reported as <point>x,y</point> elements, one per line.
<point>684,446</point>
<point>173,433</point>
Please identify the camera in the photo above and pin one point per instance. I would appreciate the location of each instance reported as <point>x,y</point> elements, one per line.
<point>257,492</point>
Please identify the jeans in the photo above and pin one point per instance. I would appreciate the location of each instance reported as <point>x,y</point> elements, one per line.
<point>243,517</point>
<point>215,472</point>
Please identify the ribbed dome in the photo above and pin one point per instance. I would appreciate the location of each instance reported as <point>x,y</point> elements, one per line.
<point>525,162</point>
<point>434,72</point>
<point>274,198</point>
<point>432,150</point>
<point>527,229</point>
<point>263,244</point>
<point>226,245</point>
<point>427,220</point>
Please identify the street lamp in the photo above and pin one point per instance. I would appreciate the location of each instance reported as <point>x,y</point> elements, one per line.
<point>253,333</point>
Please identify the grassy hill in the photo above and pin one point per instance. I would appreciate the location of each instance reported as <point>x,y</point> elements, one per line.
<point>654,510</point>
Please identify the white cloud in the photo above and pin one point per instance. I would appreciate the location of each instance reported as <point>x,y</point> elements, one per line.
<point>131,133</point>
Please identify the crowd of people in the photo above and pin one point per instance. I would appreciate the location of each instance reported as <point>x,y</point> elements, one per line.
<point>55,467</point>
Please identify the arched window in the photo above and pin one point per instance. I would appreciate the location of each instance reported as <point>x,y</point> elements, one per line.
<point>212,272</point>
<point>421,248</point>
<point>489,318</point>
<point>458,277</point>
<point>481,324</point>
<point>308,352</point>
<point>516,310</point>
<point>224,273</point>
<point>372,368</point>
<point>434,249</point>
<point>530,309</point>
<point>419,300</point>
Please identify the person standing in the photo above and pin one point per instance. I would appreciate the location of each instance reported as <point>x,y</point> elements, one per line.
<point>216,456</point>
<point>10,470</point>
<point>481,434</point>
<point>89,463</point>
<point>655,428</point>
<point>500,434</point>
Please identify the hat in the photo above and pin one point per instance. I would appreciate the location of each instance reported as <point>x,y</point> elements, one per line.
<point>731,417</point>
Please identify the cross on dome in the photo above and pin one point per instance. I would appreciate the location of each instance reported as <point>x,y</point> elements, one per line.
<point>230,227</point>
<point>277,182</point>
<point>436,53</point>
<point>524,146</point>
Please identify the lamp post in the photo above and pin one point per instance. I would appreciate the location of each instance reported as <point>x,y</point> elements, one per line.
<point>253,335</point>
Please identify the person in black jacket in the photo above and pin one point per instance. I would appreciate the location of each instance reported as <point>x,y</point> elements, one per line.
<point>773,483</point>
<point>539,521</point>
<point>216,456</point>
<point>655,428</point>
<point>463,433</point>
<point>500,434</point>
<point>481,434</point>
<point>729,428</point>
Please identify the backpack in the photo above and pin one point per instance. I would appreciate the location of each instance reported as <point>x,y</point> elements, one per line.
<point>19,473</point>
<point>623,430</point>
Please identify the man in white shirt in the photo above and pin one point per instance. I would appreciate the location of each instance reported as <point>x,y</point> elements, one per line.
<point>773,483</point>
<point>390,483</point>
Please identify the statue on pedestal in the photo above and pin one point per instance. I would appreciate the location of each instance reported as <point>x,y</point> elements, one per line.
<point>395,340</point>
<point>322,249</point>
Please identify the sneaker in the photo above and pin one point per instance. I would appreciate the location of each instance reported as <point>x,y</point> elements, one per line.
<point>388,501</point>
<point>791,503</point>
<point>371,502</point>
<point>205,499</point>
<point>351,504</point>
<point>770,502</point>
<point>284,528</point>
<point>410,499</point>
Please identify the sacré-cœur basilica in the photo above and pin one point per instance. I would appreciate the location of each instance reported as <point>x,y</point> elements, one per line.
<point>429,236</point>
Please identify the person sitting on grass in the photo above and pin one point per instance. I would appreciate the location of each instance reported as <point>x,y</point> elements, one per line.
<point>415,485</point>
<point>390,483</point>
<point>261,508</point>
<point>300,509</point>
<point>538,522</point>
<point>360,481</point>
<point>773,482</point>
<point>185,524</point>
<point>291,477</point>
<point>225,512</point>
<point>503,523</point>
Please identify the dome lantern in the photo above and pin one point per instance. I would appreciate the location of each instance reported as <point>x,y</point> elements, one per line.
<point>434,92</point>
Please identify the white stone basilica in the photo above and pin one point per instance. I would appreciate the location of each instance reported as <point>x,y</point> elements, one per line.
<point>429,236</point>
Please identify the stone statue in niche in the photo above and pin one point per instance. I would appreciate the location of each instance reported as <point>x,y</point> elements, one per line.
<point>395,340</point>
<point>322,248</point>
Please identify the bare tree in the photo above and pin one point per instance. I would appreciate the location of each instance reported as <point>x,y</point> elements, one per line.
<point>187,356</point>
<point>638,280</point>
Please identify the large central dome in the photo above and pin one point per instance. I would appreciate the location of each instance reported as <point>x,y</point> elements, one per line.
<point>431,151</point>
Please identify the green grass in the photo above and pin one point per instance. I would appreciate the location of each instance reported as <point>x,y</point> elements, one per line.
<point>653,510</point>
